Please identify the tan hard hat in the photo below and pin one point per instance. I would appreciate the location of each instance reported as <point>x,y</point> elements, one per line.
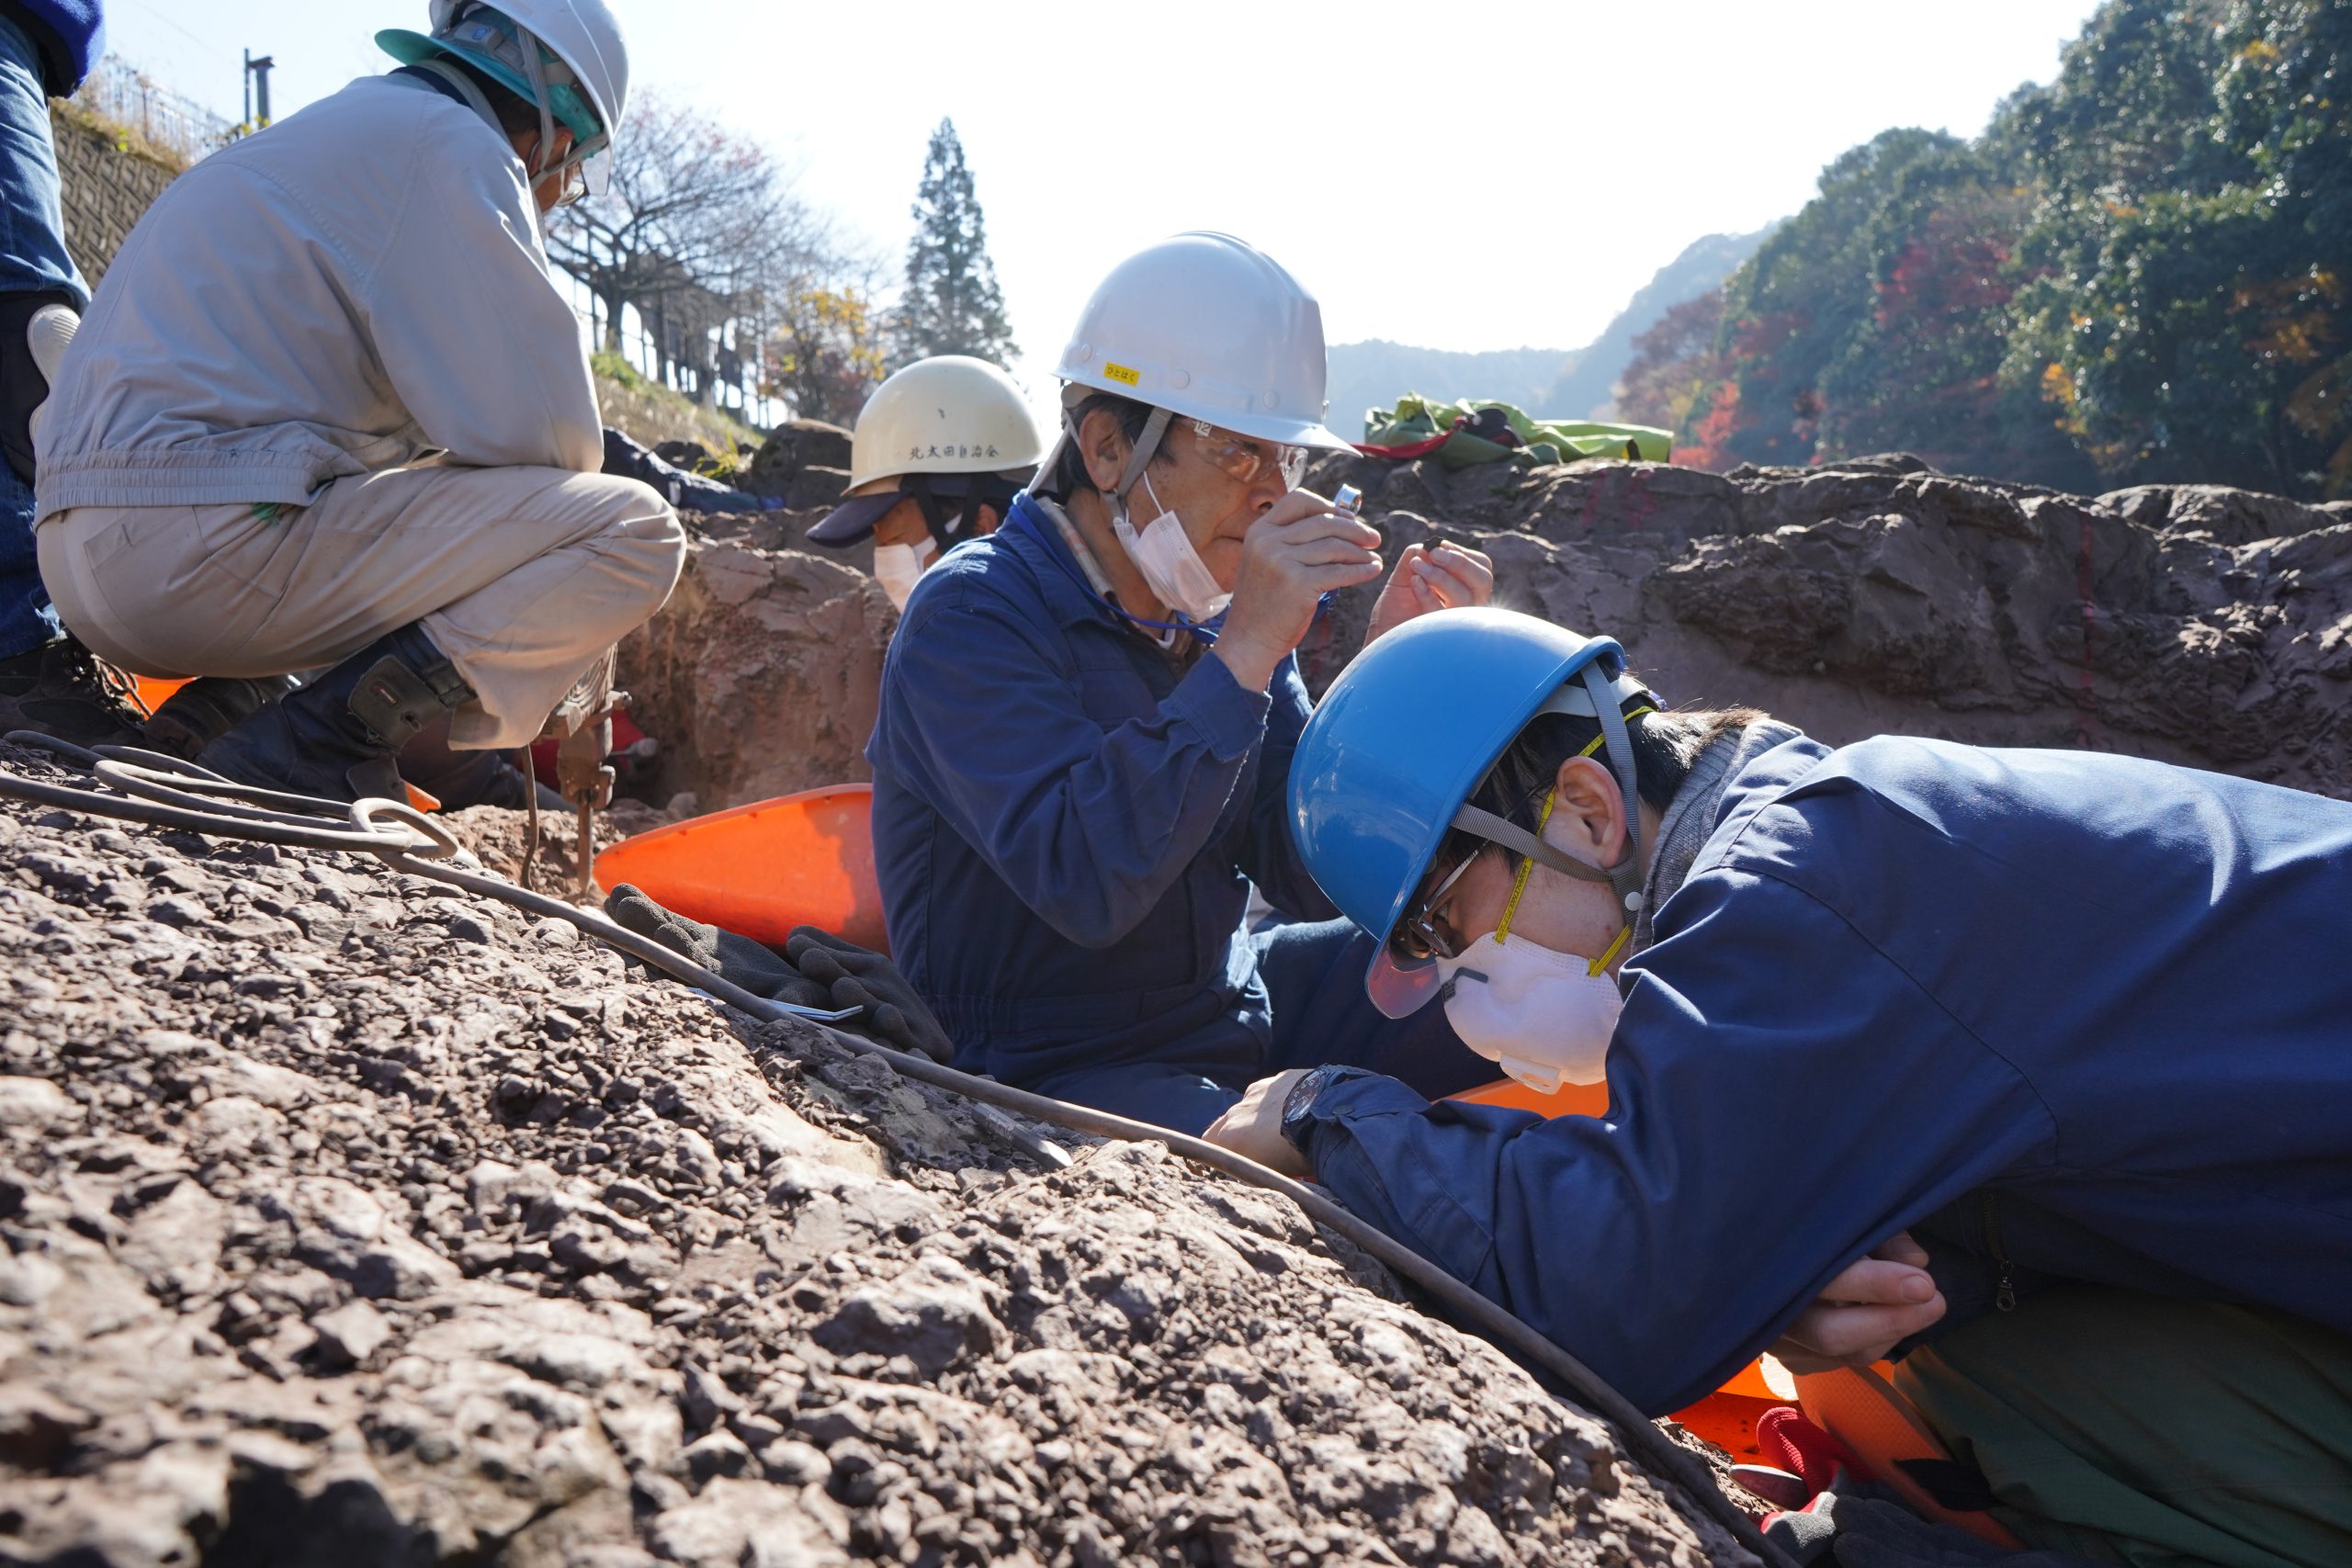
<point>951,414</point>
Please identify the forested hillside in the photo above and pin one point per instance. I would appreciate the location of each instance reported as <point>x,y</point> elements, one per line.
<point>2140,273</point>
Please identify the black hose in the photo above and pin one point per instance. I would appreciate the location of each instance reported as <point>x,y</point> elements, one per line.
<point>1551,1365</point>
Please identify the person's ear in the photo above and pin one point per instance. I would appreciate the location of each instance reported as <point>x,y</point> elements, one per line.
<point>1103,447</point>
<point>1587,813</point>
<point>985,520</point>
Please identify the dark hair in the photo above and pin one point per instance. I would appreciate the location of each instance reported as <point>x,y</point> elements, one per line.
<point>1665,746</point>
<point>1069,475</point>
<point>517,116</point>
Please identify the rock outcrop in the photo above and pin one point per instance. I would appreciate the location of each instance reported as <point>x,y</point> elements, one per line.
<point>804,461</point>
<point>2191,623</point>
<point>760,678</point>
<point>351,1218</point>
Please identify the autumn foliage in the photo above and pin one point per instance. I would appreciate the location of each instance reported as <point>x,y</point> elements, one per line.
<point>2142,272</point>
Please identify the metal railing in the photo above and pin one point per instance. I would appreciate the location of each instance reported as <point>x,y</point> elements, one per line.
<point>165,120</point>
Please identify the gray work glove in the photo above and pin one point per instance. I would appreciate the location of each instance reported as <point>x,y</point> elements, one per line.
<point>753,965</point>
<point>831,975</point>
<point>854,976</point>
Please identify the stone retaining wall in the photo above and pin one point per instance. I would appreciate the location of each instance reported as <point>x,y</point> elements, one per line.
<point>109,186</point>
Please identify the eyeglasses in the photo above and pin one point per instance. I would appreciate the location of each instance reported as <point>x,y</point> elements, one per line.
<point>1246,460</point>
<point>1417,936</point>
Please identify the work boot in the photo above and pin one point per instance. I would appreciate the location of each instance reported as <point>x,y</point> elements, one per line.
<point>204,710</point>
<point>337,736</point>
<point>462,779</point>
<point>61,689</point>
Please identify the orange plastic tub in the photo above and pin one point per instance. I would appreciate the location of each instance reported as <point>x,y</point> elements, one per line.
<point>152,692</point>
<point>763,870</point>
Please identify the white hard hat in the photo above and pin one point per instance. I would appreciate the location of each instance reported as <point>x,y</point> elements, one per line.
<point>954,431</point>
<point>1210,328</point>
<point>584,36</point>
<point>948,415</point>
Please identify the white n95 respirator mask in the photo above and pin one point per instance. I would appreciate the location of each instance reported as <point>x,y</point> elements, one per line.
<point>1544,1018</point>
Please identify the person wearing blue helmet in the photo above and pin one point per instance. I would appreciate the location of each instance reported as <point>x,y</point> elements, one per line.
<point>2072,1029</point>
<point>333,412</point>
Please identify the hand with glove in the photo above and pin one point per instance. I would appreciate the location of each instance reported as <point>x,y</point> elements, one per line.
<point>815,970</point>
<point>854,976</point>
<point>740,960</point>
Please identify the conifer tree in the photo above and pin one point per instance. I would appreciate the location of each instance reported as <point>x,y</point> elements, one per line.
<point>951,304</point>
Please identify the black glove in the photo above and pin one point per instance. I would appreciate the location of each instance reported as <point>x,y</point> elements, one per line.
<point>854,976</point>
<point>753,965</point>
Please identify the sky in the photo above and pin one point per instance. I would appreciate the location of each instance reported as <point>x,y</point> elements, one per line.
<point>1453,177</point>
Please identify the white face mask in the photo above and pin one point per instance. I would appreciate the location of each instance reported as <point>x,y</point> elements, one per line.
<point>1545,1016</point>
<point>1171,568</point>
<point>897,568</point>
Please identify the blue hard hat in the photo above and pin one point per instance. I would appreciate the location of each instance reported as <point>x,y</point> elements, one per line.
<point>1398,745</point>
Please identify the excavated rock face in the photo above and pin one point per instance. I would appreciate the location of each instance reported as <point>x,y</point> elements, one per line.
<point>761,676</point>
<point>2191,624</point>
<point>2187,623</point>
<point>351,1218</point>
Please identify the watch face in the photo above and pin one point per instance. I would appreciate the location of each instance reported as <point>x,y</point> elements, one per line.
<point>1301,1099</point>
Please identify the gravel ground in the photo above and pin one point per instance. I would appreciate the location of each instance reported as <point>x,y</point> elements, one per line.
<point>349,1217</point>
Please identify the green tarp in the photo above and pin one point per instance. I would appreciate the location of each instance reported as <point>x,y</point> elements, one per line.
<point>1417,420</point>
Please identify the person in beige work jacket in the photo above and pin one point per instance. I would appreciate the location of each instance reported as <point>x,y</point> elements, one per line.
<point>331,409</point>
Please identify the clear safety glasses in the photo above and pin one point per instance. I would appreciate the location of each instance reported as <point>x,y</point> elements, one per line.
<point>1249,460</point>
<point>1417,937</point>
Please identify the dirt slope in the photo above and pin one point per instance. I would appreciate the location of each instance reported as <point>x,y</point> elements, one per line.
<point>350,1218</point>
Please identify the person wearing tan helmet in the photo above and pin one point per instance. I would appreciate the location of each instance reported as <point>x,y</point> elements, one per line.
<point>940,450</point>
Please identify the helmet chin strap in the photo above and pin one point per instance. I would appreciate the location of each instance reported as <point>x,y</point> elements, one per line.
<point>535,71</point>
<point>476,99</point>
<point>1625,877</point>
<point>1146,446</point>
<point>534,62</point>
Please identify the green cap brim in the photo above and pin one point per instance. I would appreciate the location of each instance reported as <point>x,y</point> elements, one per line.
<point>414,48</point>
<point>407,48</point>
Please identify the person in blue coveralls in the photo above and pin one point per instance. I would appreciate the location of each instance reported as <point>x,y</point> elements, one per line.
<point>48,679</point>
<point>1087,720</point>
<point>2074,1030</point>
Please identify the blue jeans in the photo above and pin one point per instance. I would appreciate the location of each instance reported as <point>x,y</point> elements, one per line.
<point>1314,976</point>
<point>33,260</point>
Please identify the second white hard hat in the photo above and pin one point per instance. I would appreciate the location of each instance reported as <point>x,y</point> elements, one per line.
<point>1208,327</point>
<point>954,432</point>
<point>948,415</point>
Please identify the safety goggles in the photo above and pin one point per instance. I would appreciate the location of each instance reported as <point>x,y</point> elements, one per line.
<point>1245,460</point>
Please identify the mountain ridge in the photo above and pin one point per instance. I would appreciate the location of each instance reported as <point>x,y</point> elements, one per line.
<point>1560,383</point>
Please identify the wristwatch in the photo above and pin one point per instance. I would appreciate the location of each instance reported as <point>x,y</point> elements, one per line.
<point>1298,1106</point>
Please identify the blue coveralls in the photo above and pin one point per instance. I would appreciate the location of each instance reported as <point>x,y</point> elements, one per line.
<point>1067,820</point>
<point>2055,1012</point>
<point>46,47</point>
